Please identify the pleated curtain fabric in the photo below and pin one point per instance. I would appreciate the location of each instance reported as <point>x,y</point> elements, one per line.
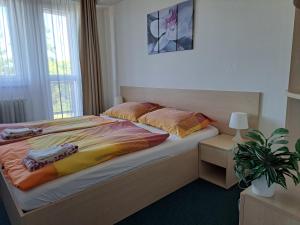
<point>90,59</point>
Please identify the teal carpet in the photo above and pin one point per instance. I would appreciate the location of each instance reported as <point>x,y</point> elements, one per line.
<point>3,217</point>
<point>199,203</point>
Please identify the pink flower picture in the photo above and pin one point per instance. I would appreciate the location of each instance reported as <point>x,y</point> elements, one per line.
<point>171,29</point>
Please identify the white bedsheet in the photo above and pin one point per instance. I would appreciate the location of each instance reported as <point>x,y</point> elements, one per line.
<point>65,186</point>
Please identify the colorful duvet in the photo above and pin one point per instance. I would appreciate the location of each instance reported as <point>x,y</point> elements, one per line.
<point>54,126</point>
<point>96,145</point>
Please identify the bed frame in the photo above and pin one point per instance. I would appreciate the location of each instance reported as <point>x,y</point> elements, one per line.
<point>121,196</point>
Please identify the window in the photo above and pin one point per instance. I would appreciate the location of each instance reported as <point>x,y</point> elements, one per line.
<point>7,69</point>
<point>57,41</point>
<point>39,57</point>
<point>63,80</point>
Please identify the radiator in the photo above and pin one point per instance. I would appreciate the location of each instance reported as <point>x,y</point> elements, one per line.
<point>12,111</point>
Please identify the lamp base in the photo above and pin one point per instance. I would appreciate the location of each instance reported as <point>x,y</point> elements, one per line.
<point>238,137</point>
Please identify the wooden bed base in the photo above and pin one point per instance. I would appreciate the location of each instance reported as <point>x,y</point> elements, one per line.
<point>111,201</point>
<point>121,196</point>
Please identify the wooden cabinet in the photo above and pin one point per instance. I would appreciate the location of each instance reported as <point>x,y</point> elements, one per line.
<point>216,161</point>
<point>281,209</point>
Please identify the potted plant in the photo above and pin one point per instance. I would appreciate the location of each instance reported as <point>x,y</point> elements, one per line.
<point>266,161</point>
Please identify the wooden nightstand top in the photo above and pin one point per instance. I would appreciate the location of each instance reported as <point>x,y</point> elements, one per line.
<point>221,141</point>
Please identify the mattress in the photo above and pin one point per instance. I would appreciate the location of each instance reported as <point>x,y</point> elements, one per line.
<point>65,186</point>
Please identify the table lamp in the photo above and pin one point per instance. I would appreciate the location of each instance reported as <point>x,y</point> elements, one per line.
<point>238,121</point>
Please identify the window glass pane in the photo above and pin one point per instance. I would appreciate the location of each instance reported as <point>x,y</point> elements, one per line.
<point>6,55</point>
<point>58,51</point>
<point>62,99</point>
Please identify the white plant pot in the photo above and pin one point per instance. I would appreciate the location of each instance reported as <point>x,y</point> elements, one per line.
<point>260,187</point>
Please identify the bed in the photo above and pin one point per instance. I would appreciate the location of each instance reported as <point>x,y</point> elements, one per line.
<point>109,192</point>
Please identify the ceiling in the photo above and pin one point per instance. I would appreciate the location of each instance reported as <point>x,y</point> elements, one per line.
<point>108,2</point>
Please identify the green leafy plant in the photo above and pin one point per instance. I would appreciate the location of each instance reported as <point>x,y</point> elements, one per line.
<point>267,156</point>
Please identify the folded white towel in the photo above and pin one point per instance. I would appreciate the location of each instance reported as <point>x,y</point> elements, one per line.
<point>45,157</point>
<point>51,154</point>
<point>10,133</point>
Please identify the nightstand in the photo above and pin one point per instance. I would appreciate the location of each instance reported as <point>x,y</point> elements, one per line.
<point>216,163</point>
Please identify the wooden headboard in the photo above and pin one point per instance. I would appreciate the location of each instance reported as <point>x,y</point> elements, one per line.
<point>216,104</point>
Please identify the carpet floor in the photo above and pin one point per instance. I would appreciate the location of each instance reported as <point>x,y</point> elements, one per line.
<point>199,203</point>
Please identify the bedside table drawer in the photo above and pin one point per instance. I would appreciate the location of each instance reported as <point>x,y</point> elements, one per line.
<point>213,155</point>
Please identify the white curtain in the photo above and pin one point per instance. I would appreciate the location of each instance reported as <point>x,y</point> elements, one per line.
<point>39,57</point>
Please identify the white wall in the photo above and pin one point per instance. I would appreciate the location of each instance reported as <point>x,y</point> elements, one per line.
<point>240,45</point>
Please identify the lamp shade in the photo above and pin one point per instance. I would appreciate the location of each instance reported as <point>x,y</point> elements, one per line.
<point>239,120</point>
<point>118,100</point>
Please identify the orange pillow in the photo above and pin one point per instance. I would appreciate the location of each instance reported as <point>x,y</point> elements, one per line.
<point>131,110</point>
<point>180,123</point>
